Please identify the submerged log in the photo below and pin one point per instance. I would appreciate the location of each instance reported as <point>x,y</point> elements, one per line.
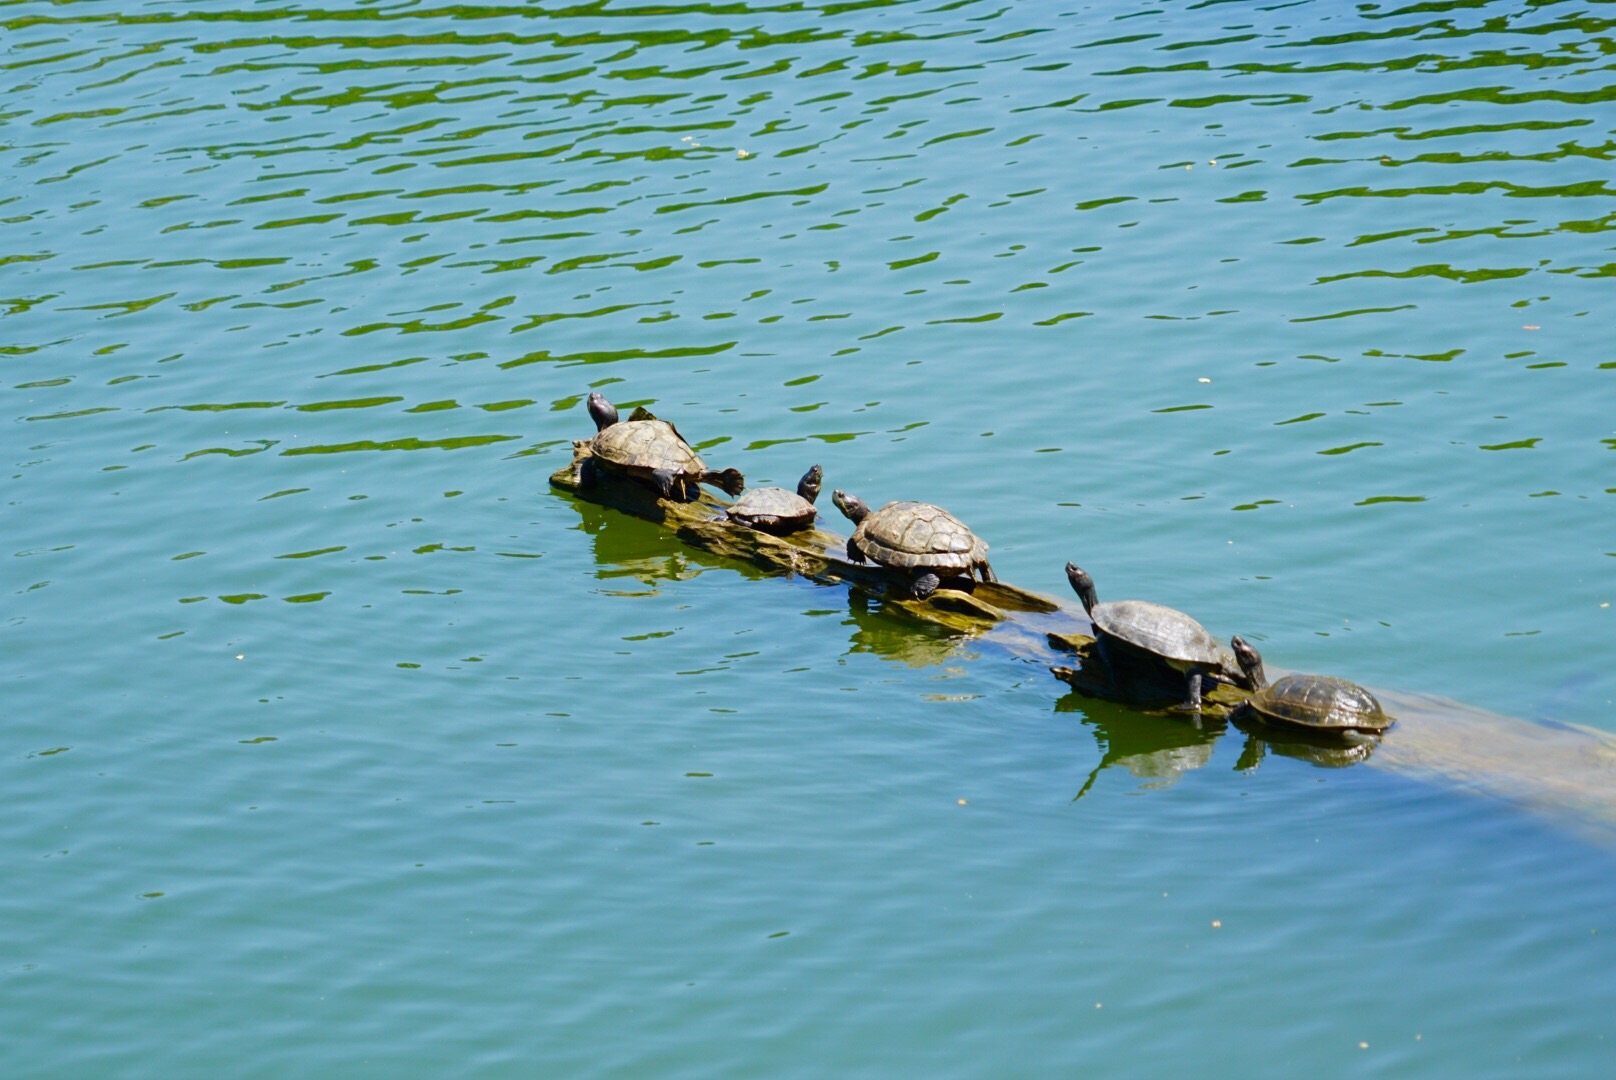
<point>1563,770</point>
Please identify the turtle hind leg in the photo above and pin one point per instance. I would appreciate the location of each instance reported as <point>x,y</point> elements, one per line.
<point>986,571</point>
<point>668,484</point>
<point>729,480</point>
<point>925,585</point>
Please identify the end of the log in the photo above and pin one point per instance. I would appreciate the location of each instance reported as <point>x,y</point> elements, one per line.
<point>1072,643</point>
<point>569,477</point>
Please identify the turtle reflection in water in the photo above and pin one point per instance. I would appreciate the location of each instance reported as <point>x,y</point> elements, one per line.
<point>778,511</point>
<point>916,538</point>
<point>1155,749</point>
<point>1321,704</point>
<point>650,451</point>
<point>1157,635</point>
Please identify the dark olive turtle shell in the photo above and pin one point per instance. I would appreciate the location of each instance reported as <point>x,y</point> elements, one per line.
<point>647,445</point>
<point>1161,631</point>
<point>1320,701</point>
<point>917,535</point>
<point>773,508</point>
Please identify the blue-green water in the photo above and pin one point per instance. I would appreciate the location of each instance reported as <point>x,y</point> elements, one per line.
<point>338,744</point>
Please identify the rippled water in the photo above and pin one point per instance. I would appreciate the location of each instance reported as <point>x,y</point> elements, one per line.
<point>338,744</point>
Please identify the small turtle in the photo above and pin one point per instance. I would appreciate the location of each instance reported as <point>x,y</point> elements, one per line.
<point>1320,702</point>
<point>918,537</point>
<point>1141,629</point>
<point>651,451</point>
<point>776,510</point>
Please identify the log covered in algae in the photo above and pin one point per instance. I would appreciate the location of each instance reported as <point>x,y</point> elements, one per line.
<point>812,553</point>
<point>1565,771</point>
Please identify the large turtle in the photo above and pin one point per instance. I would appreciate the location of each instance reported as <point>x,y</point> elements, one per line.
<point>651,451</point>
<point>1321,702</point>
<point>924,540</point>
<point>1142,630</point>
<point>776,510</point>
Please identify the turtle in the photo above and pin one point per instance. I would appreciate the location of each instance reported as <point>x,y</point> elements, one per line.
<point>776,510</point>
<point>651,451</point>
<point>917,537</point>
<point>1322,703</point>
<point>1142,630</point>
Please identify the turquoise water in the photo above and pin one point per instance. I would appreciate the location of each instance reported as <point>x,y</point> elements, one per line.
<point>337,743</point>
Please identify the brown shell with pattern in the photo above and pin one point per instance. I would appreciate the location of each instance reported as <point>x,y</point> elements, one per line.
<point>1320,701</point>
<point>917,535</point>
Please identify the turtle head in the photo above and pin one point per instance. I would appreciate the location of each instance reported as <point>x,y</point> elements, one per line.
<point>851,506</point>
<point>1082,585</point>
<point>1250,661</point>
<point>603,412</point>
<point>808,486</point>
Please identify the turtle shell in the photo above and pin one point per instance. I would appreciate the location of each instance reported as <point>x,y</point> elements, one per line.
<point>647,445</point>
<point>1320,701</point>
<point>1161,631</point>
<point>772,508</point>
<point>917,535</point>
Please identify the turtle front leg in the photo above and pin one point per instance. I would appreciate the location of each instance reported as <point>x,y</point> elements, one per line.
<point>1105,662</point>
<point>1192,701</point>
<point>853,553</point>
<point>588,473</point>
<point>925,585</point>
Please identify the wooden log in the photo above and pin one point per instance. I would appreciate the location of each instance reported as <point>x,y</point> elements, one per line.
<point>812,553</point>
<point>1563,770</point>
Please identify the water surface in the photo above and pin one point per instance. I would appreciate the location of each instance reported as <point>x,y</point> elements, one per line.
<point>339,744</point>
